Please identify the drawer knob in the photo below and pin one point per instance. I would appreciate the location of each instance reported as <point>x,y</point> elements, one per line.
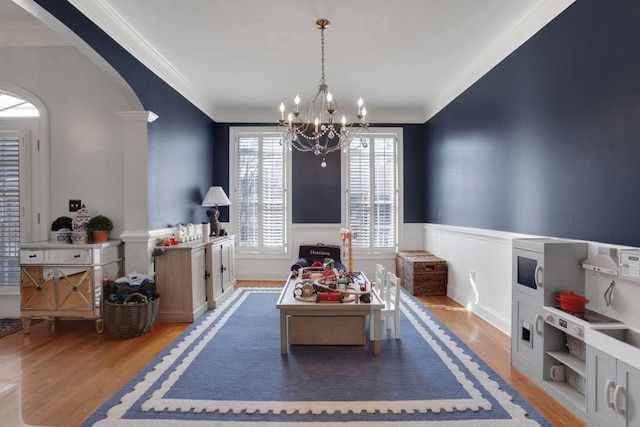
<point>76,256</point>
<point>32,256</point>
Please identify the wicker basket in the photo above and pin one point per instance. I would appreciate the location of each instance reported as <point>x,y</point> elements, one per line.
<point>131,320</point>
<point>422,273</point>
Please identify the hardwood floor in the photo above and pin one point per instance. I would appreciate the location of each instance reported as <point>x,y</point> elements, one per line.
<point>67,374</point>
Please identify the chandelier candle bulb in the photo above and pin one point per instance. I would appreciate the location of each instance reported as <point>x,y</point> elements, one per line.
<point>297,101</point>
<point>282,111</point>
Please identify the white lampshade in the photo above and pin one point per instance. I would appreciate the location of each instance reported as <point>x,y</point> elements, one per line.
<point>216,197</point>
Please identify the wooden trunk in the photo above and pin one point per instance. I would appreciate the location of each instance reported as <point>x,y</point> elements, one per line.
<point>422,273</point>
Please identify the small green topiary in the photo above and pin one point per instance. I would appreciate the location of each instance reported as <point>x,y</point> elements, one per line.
<point>61,222</point>
<point>99,223</point>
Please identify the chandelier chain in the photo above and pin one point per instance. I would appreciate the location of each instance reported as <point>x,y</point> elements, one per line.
<point>322,81</point>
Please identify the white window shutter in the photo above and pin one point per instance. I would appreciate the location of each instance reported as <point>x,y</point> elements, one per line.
<point>372,191</point>
<point>9,211</point>
<point>261,192</point>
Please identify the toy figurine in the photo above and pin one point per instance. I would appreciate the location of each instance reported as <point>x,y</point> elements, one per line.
<point>215,223</point>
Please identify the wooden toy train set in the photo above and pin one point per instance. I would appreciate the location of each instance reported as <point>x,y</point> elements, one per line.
<point>323,283</point>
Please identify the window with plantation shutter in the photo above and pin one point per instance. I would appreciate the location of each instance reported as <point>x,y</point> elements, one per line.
<point>260,208</point>
<point>372,171</point>
<point>9,211</point>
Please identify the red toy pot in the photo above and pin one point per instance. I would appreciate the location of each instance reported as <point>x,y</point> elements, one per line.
<point>571,302</point>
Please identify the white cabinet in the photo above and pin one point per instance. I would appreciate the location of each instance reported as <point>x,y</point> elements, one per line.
<point>221,264</point>
<point>180,275</point>
<point>62,280</point>
<point>194,277</point>
<point>614,390</point>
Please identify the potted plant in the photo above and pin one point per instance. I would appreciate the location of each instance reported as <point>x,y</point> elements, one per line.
<point>61,228</point>
<point>99,227</point>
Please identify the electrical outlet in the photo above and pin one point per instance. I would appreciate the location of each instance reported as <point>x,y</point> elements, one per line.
<point>74,205</point>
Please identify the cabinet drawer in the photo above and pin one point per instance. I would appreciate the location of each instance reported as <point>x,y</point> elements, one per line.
<point>32,256</point>
<point>71,256</point>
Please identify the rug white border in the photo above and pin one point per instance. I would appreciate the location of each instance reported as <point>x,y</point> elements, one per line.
<point>204,332</point>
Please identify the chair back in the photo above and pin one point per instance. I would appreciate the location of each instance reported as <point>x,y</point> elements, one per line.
<point>379,281</point>
<point>392,293</point>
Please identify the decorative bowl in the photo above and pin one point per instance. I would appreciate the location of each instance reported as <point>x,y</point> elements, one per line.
<point>63,235</point>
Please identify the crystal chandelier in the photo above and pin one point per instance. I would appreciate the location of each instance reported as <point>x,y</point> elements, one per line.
<point>318,131</point>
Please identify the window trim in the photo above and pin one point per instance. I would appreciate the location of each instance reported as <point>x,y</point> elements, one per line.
<point>234,132</point>
<point>344,160</point>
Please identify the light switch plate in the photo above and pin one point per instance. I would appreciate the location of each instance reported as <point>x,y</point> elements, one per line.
<point>74,205</point>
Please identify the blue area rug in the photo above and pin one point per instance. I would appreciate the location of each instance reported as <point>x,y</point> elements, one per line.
<point>227,370</point>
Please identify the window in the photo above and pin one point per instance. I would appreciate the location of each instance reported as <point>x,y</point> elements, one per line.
<point>11,107</point>
<point>260,208</point>
<point>371,190</point>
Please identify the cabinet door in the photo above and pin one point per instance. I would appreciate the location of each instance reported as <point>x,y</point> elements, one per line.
<point>38,288</point>
<point>216,254</point>
<point>227,267</point>
<point>526,339</point>
<point>198,271</point>
<point>601,375</point>
<point>75,289</point>
<point>629,396</point>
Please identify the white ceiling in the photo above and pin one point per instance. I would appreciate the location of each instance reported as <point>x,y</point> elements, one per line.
<point>238,59</point>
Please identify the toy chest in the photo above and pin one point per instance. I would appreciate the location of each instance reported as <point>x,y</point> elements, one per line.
<point>422,273</point>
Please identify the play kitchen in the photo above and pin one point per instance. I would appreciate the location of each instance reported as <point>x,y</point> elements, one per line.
<point>587,360</point>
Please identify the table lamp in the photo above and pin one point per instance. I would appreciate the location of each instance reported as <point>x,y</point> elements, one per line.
<point>215,197</point>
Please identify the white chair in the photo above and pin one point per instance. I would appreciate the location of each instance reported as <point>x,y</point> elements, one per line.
<point>379,281</point>
<point>390,314</point>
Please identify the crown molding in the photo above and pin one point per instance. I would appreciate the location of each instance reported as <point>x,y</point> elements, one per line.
<point>512,38</point>
<point>119,29</point>
<point>267,115</point>
<point>137,116</point>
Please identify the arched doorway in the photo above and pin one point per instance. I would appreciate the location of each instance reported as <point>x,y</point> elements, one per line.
<point>23,175</point>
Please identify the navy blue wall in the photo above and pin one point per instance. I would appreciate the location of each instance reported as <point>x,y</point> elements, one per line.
<point>548,142</point>
<point>180,142</point>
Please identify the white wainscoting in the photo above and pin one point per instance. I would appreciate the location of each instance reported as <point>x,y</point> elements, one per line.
<point>277,267</point>
<point>479,263</point>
